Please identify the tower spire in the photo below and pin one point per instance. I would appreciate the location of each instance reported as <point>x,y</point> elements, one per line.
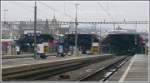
<point>54,15</point>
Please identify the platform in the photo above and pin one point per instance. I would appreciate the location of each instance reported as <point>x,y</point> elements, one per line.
<point>134,70</point>
<point>6,63</point>
<point>20,67</point>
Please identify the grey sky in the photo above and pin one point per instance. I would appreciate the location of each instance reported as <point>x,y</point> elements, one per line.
<point>87,10</point>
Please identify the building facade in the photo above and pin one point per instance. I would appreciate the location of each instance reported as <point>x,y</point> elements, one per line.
<point>17,28</point>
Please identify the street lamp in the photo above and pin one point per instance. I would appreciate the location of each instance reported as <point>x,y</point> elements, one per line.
<point>5,10</point>
<point>100,39</point>
<point>76,34</point>
<point>35,19</point>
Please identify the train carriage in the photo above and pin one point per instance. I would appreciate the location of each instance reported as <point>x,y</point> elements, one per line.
<point>122,43</point>
<point>84,41</point>
<point>26,41</point>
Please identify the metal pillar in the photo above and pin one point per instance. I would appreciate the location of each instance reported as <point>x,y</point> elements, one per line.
<point>136,26</point>
<point>76,34</point>
<point>100,49</point>
<point>114,26</point>
<point>35,22</point>
<point>5,10</point>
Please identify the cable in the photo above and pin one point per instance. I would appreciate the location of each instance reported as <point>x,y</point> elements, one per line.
<point>100,5</point>
<point>27,9</point>
<point>21,6</point>
<point>56,10</point>
<point>108,13</point>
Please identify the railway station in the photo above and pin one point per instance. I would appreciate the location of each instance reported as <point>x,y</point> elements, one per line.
<point>71,46</point>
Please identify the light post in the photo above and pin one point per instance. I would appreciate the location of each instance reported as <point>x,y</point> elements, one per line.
<point>35,19</point>
<point>114,26</point>
<point>5,23</point>
<point>136,26</point>
<point>100,40</point>
<point>76,34</point>
<point>5,10</point>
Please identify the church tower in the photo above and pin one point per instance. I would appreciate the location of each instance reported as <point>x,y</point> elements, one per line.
<point>54,26</point>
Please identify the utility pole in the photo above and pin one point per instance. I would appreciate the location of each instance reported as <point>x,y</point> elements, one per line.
<point>100,41</point>
<point>5,10</point>
<point>95,29</point>
<point>100,31</point>
<point>76,34</point>
<point>35,22</point>
<point>136,26</point>
<point>114,26</point>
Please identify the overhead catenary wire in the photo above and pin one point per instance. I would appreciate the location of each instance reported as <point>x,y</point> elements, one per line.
<point>105,10</point>
<point>108,13</point>
<point>53,9</point>
<point>27,9</point>
<point>30,10</point>
<point>20,6</point>
<point>15,3</point>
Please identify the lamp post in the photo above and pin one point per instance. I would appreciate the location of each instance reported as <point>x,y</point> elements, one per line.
<point>100,40</point>
<point>114,26</point>
<point>136,26</point>
<point>35,19</point>
<point>5,10</point>
<point>76,34</point>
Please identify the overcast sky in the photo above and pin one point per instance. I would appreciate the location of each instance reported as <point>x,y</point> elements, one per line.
<point>87,10</point>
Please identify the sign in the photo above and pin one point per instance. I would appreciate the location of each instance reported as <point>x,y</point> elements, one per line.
<point>45,49</point>
<point>60,49</point>
<point>95,50</point>
<point>40,48</point>
<point>95,44</point>
<point>31,32</point>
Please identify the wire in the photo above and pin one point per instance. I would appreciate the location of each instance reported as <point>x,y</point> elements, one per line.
<point>27,9</point>
<point>100,5</point>
<point>22,6</point>
<point>53,9</point>
<point>108,13</point>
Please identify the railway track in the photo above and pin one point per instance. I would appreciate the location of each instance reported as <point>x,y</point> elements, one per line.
<point>102,74</point>
<point>43,72</point>
<point>39,72</point>
<point>94,72</point>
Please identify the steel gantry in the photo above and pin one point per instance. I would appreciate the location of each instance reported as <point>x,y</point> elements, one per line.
<point>79,22</point>
<point>107,22</point>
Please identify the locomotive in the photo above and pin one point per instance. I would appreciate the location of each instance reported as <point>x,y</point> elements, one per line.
<point>84,41</point>
<point>122,42</point>
<point>26,41</point>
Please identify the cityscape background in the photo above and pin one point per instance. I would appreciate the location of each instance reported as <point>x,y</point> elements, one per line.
<point>19,16</point>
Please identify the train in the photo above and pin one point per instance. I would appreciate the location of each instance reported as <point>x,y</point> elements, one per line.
<point>84,42</point>
<point>26,41</point>
<point>122,42</point>
<point>119,42</point>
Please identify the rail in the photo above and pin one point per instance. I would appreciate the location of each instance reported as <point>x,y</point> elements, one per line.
<point>100,74</point>
<point>40,71</point>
